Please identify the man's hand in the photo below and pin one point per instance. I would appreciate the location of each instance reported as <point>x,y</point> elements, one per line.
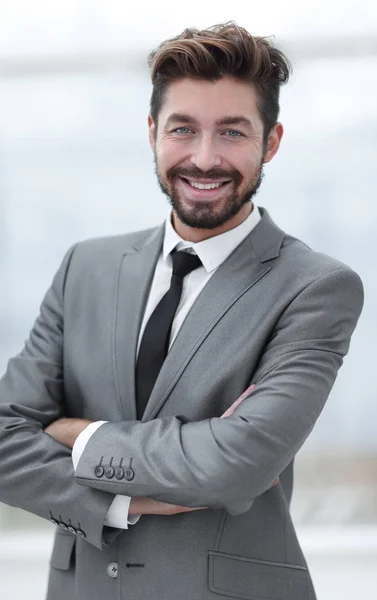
<point>66,431</point>
<point>147,506</point>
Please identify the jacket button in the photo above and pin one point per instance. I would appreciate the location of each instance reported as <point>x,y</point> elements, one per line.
<point>63,525</point>
<point>129,474</point>
<point>98,471</point>
<point>54,521</point>
<point>109,472</point>
<point>119,473</point>
<point>112,570</point>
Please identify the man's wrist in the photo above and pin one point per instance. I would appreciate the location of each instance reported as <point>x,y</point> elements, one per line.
<point>66,431</point>
<point>78,426</point>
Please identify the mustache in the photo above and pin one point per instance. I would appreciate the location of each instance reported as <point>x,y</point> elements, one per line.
<point>197,173</point>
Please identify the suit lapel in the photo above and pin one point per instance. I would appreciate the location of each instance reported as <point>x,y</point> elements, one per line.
<point>135,278</point>
<point>242,269</point>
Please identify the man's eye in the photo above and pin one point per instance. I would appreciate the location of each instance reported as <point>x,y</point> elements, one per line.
<point>182,130</point>
<point>233,133</point>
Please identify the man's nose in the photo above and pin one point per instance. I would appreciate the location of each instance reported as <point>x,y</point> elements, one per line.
<point>205,155</point>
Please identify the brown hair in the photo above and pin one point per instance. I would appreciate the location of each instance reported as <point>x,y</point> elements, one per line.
<point>212,53</point>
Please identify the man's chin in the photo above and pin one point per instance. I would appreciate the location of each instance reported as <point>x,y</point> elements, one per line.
<point>192,209</point>
<point>202,215</point>
<point>180,200</point>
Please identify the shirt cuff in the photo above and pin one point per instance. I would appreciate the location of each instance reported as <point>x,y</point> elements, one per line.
<point>82,440</point>
<point>117,515</point>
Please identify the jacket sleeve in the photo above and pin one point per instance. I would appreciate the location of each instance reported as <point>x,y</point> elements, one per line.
<point>228,462</point>
<point>36,472</point>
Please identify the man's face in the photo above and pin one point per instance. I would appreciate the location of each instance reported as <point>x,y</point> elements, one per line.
<point>209,154</point>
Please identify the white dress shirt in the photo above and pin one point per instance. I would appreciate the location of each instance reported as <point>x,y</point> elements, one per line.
<point>212,252</point>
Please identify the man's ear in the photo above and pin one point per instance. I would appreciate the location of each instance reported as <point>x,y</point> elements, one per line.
<point>273,142</point>
<point>152,130</point>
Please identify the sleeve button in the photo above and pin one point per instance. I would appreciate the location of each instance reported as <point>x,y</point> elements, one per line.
<point>119,473</point>
<point>81,533</point>
<point>98,471</point>
<point>72,529</point>
<point>129,474</point>
<point>109,472</point>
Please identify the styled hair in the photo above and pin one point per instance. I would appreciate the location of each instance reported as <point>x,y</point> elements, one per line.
<point>221,50</point>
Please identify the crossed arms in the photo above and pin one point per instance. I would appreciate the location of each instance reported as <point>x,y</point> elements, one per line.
<point>216,463</point>
<point>66,431</point>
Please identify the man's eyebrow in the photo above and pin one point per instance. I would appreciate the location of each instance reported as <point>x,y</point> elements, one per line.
<point>179,118</point>
<point>231,120</point>
<point>236,120</point>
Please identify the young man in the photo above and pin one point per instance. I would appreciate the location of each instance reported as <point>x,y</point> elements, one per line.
<point>146,343</point>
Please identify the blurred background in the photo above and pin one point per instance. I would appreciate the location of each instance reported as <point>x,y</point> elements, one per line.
<point>75,163</point>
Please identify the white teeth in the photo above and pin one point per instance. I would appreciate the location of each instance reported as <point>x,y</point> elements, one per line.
<point>204,186</point>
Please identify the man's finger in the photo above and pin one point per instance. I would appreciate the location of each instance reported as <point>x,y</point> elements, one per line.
<point>246,392</point>
<point>233,407</point>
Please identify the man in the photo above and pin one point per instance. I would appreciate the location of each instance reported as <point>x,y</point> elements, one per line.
<point>146,343</point>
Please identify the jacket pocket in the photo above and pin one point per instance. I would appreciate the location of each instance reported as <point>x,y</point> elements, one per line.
<point>252,579</point>
<point>62,551</point>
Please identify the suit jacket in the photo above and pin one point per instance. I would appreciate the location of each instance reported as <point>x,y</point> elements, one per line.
<point>275,313</point>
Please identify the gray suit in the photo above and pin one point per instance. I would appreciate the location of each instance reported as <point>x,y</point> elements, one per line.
<point>275,313</point>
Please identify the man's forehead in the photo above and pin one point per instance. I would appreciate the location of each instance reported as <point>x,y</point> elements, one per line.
<point>225,101</point>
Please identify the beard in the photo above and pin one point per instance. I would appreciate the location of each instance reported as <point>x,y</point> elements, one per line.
<point>206,215</point>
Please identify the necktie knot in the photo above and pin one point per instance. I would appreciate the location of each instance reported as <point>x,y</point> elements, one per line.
<point>184,263</point>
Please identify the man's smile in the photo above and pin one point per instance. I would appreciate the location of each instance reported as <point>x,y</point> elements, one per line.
<point>204,189</point>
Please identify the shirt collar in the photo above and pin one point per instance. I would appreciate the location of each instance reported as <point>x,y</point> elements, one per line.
<point>213,251</point>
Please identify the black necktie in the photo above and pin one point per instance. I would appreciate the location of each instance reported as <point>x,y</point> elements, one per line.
<point>155,342</point>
